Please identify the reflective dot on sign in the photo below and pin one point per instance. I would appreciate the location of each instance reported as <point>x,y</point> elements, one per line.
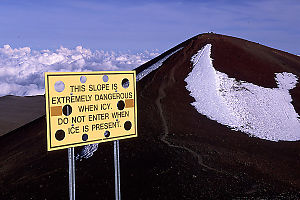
<point>60,135</point>
<point>67,110</point>
<point>83,79</point>
<point>105,78</point>
<point>121,105</point>
<point>85,137</point>
<point>125,83</point>
<point>106,133</point>
<point>127,125</point>
<point>59,86</point>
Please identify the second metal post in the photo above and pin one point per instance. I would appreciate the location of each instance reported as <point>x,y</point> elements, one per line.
<point>71,173</point>
<point>117,170</point>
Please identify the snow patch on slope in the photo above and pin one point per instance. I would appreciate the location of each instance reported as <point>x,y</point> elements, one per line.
<point>261,112</point>
<point>22,70</point>
<point>87,151</point>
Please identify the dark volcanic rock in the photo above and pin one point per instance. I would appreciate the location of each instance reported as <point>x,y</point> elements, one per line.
<point>179,153</point>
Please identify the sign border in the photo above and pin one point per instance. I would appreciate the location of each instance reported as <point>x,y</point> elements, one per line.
<point>48,74</point>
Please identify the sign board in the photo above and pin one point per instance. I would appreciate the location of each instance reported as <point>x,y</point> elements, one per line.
<point>90,107</point>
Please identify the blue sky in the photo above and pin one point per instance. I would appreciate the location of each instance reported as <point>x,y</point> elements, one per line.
<point>139,25</point>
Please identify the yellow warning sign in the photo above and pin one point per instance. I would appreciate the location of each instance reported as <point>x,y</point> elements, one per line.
<point>90,107</point>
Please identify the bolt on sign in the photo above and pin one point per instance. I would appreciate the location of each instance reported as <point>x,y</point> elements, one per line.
<point>90,107</point>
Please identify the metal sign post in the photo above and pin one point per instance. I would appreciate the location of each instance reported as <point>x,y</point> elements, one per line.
<point>117,170</point>
<point>71,173</point>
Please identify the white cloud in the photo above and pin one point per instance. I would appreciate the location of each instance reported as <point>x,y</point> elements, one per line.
<point>22,70</point>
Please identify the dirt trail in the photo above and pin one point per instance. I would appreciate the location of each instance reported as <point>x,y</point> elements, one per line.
<point>161,95</point>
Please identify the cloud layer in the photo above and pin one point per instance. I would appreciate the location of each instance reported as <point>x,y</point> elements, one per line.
<point>22,70</point>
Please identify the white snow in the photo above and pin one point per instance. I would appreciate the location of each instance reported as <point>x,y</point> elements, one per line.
<point>155,66</point>
<point>87,151</point>
<point>22,69</point>
<point>266,113</point>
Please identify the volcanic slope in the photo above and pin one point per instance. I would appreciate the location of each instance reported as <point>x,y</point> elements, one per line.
<point>179,153</point>
<point>18,111</point>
